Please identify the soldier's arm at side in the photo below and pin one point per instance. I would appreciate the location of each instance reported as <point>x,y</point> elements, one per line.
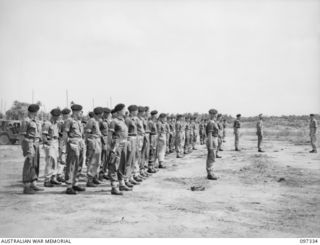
<point>23,130</point>
<point>209,134</point>
<point>66,129</point>
<point>45,132</point>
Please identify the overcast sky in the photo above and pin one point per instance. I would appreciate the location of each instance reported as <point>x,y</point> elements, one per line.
<point>236,56</point>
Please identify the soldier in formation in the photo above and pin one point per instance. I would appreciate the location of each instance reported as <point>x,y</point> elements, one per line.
<point>260,132</point>
<point>236,131</point>
<point>313,125</point>
<point>123,148</point>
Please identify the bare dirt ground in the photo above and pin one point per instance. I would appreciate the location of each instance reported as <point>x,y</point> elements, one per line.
<point>248,200</point>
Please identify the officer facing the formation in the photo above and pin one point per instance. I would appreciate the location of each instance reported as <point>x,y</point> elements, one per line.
<point>260,133</point>
<point>30,137</point>
<point>236,131</point>
<point>50,139</point>
<point>73,136</point>
<point>313,133</point>
<point>93,143</point>
<point>212,143</point>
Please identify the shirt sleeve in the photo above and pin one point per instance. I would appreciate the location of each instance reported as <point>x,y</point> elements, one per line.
<point>66,126</point>
<point>45,127</point>
<point>24,127</point>
<point>112,126</point>
<point>209,127</point>
<point>88,127</point>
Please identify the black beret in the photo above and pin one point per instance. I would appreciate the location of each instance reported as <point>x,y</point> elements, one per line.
<point>33,108</point>
<point>132,108</point>
<point>119,107</point>
<point>91,114</point>
<point>141,109</point>
<point>55,112</point>
<point>65,111</point>
<point>163,115</point>
<point>213,111</point>
<point>106,110</point>
<point>238,115</point>
<point>76,107</point>
<point>154,112</point>
<point>98,110</point>
<point>311,115</point>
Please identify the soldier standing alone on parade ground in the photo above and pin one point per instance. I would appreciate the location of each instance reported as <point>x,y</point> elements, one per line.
<point>260,132</point>
<point>30,137</point>
<point>313,133</point>
<point>212,143</point>
<point>50,139</point>
<point>73,136</point>
<point>236,131</point>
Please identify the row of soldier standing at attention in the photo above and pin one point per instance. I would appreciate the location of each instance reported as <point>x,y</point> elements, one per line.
<point>124,149</point>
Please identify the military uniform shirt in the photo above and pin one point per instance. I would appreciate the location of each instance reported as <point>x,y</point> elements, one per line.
<point>212,128</point>
<point>152,127</point>
<point>132,125</point>
<point>236,124</point>
<point>93,128</point>
<point>161,127</point>
<point>118,128</point>
<point>146,126</point>
<point>30,128</point>
<point>220,127</point>
<point>104,127</point>
<point>259,127</point>
<point>74,128</point>
<point>51,129</point>
<point>313,126</point>
<point>140,125</point>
